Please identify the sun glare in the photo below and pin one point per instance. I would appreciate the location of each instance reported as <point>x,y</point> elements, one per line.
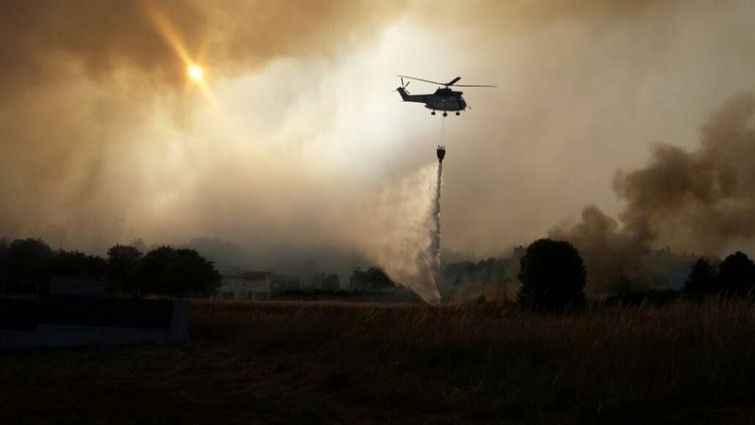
<point>195,73</point>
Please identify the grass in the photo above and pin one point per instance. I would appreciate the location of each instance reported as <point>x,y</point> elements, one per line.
<point>350,363</point>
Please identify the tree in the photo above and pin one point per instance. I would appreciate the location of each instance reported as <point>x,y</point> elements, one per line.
<point>736,275</point>
<point>701,280</point>
<point>552,275</point>
<point>178,272</point>
<point>74,263</point>
<point>122,261</point>
<point>25,263</point>
<point>28,256</point>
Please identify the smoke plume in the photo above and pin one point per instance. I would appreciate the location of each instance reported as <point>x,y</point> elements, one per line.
<point>698,201</point>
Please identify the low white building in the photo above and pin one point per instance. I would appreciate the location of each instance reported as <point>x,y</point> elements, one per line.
<point>246,285</point>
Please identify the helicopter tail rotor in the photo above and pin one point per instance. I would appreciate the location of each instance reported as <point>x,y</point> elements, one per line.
<point>404,85</point>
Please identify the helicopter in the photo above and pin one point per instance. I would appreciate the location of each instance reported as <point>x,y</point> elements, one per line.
<point>444,99</point>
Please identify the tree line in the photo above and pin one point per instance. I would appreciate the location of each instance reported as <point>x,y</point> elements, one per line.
<point>553,277</point>
<point>735,276</point>
<point>165,270</point>
<point>552,273</point>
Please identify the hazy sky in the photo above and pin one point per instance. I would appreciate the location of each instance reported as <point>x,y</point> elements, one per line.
<point>295,142</point>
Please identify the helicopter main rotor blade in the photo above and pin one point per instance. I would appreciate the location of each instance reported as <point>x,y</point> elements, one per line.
<point>420,79</point>
<point>450,83</point>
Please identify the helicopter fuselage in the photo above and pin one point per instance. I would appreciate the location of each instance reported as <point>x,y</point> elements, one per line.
<point>444,99</point>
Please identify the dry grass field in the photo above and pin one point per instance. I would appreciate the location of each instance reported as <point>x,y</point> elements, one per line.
<point>352,363</point>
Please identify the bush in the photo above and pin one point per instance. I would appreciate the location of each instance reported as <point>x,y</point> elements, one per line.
<point>737,275</point>
<point>25,264</point>
<point>553,276</point>
<point>178,272</point>
<point>74,263</point>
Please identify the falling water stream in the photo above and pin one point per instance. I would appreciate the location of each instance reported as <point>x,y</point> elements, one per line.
<point>434,249</point>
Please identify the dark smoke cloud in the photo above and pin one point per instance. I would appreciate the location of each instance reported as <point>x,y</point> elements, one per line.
<point>703,199</point>
<point>608,250</point>
<point>89,91</point>
<point>699,201</point>
<point>525,16</point>
<point>37,37</point>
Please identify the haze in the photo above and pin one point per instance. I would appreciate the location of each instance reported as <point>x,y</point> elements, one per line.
<point>295,147</point>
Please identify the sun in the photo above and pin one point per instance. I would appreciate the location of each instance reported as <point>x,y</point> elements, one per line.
<point>195,73</point>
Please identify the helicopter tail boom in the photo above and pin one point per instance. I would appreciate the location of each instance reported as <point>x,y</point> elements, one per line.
<point>410,97</point>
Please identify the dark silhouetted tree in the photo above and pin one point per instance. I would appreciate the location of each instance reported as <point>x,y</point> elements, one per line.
<point>122,261</point>
<point>701,280</point>
<point>74,263</point>
<point>26,262</point>
<point>736,275</point>
<point>178,272</point>
<point>552,275</point>
<point>28,256</point>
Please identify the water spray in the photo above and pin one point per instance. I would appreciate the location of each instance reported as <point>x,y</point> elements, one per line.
<point>410,253</point>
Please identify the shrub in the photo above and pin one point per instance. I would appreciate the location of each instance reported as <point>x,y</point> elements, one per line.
<point>553,276</point>
<point>170,271</point>
<point>737,275</point>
